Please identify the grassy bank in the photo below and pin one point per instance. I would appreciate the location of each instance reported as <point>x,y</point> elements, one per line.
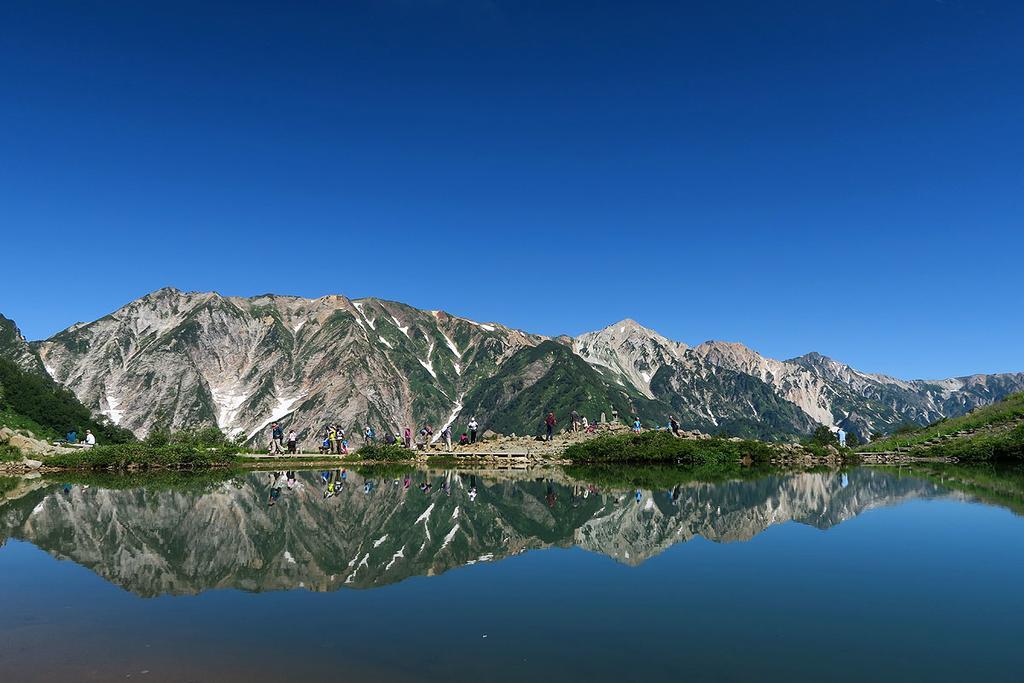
<point>990,433</point>
<point>663,447</point>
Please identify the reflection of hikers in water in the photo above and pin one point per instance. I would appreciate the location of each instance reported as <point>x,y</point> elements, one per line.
<point>368,486</point>
<point>408,480</point>
<point>290,476</point>
<point>639,496</point>
<point>551,497</point>
<point>426,487</point>
<point>336,484</point>
<point>275,488</point>
<point>67,489</point>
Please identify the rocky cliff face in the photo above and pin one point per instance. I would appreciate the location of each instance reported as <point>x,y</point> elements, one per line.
<point>14,347</point>
<point>154,542</point>
<point>179,359</point>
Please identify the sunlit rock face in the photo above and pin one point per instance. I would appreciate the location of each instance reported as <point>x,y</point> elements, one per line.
<point>179,359</point>
<point>373,532</point>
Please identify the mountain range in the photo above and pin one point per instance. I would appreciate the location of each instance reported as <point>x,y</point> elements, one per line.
<point>174,359</point>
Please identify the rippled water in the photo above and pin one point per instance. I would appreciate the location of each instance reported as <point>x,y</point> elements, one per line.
<point>867,574</point>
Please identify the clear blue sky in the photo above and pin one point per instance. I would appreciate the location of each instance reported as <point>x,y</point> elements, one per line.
<point>841,176</point>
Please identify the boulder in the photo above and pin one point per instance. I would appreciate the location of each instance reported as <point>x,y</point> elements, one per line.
<point>489,435</point>
<point>27,444</point>
<point>32,464</point>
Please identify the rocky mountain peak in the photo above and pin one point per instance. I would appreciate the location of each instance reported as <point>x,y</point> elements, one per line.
<point>630,351</point>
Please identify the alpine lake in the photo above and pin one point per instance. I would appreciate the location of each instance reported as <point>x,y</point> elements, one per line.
<point>610,574</point>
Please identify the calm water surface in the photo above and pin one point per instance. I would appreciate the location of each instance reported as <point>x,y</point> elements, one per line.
<point>845,576</point>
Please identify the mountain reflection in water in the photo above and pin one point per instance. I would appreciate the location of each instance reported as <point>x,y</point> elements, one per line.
<point>318,531</point>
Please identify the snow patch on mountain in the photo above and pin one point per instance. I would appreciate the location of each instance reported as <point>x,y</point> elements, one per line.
<point>227,404</point>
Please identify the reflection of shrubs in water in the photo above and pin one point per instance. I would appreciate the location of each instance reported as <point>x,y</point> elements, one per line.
<point>153,480</point>
<point>7,484</point>
<point>656,477</point>
<point>665,447</point>
<point>381,471</point>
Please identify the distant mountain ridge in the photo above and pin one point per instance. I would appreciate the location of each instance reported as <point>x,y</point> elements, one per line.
<point>179,359</point>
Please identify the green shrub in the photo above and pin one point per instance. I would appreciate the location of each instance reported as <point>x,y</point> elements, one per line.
<point>663,446</point>
<point>384,453</point>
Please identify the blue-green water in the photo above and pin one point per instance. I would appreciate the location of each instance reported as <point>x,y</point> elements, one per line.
<point>862,575</point>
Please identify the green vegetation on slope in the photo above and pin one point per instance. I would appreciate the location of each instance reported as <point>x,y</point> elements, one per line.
<point>775,418</point>
<point>550,377</point>
<point>663,447</point>
<point>996,433</point>
<point>25,396</point>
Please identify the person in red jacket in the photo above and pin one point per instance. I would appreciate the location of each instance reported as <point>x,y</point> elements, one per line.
<point>550,423</point>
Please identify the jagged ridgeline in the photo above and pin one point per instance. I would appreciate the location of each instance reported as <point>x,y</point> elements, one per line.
<point>175,360</point>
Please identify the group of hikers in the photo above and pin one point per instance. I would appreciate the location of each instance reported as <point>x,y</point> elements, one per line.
<point>88,441</point>
<point>334,438</point>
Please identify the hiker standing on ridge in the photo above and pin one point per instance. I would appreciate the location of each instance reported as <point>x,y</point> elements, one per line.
<point>446,435</point>
<point>549,423</point>
<point>574,419</point>
<point>473,426</point>
<point>293,442</point>
<point>673,424</point>
<point>276,439</point>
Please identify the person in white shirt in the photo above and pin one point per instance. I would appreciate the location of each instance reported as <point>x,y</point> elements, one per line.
<point>90,439</point>
<point>473,426</point>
